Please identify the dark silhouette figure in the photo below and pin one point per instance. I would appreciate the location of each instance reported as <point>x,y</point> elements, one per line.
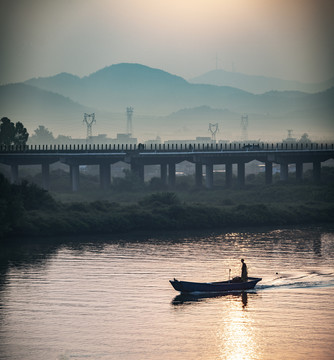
<point>244,298</point>
<point>244,272</point>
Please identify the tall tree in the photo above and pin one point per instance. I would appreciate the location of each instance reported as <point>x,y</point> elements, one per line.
<point>12,134</point>
<point>305,139</point>
<point>42,136</point>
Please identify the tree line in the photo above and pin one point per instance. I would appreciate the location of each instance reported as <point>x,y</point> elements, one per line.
<point>16,134</point>
<point>11,133</point>
<point>27,210</point>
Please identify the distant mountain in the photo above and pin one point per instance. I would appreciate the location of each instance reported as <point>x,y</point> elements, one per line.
<point>200,111</point>
<point>179,124</point>
<point>310,113</point>
<point>163,103</point>
<point>257,84</point>
<point>63,83</point>
<point>33,106</point>
<point>152,90</point>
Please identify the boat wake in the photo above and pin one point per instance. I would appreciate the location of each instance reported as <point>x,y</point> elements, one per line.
<point>300,281</point>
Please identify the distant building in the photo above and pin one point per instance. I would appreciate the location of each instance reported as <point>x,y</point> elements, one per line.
<point>203,140</point>
<point>289,139</point>
<point>124,139</point>
<point>198,140</point>
<point>157,141</point>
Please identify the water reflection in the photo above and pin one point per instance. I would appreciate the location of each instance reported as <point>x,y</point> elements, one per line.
<point>187,299</point>
<point>235,335</point>
<point>317,246</point>
<point>102,298</point>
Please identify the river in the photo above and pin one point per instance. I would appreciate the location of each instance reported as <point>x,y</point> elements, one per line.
<point>110,298</point>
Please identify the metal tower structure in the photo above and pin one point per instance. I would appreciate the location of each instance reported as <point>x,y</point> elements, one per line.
<point>213,128</point>
<point>244,127</point>
<point>129,113</point>
<point>89,120</point>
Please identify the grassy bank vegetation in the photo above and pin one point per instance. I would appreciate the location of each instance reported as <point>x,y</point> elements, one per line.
<point>129,205</point>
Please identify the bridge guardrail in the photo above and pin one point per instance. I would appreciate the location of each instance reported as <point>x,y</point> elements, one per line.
<point>162,147</point>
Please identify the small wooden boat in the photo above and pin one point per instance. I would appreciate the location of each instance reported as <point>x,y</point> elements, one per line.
<point>186,287</point>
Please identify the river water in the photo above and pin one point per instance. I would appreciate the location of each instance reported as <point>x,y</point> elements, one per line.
<point>110,298</point>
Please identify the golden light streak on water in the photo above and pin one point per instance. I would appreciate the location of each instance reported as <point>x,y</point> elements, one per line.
<point>111,299</point>
<point>236,335</point>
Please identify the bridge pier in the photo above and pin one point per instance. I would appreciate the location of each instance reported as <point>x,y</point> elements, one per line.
<point>241,173</point>
<point>209,176</point>
<point>284,171</point>
<point>163,173</point>
<point>269,172</point>
<point>46,176</point>
<point>228,174</point>
<point>74,173</point>
<point>299,171</point>
<point>317,171</point>
<point>73,156</point>
<point>171,174</point>
<point>138,168</point>
<point>105,177</point>
<point>14,173</point>
<point>198,174</point>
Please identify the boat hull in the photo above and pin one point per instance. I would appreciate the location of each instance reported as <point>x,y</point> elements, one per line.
<point>187,287</point>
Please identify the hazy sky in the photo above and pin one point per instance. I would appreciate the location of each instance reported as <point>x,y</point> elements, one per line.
<point>291,39</point>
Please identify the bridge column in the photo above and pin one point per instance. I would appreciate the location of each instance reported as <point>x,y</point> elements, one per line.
<point>269,172</point>
<point>241,173</point>
<point>14,173</point>
<point>198,174</point>
<point>284,171</point>
<point>138,168</point>
<point>74,172</point>
<point>105,177</point>
<point>171,174</point>
<point>228,174</point>
<point>163,173</point>
<point>317,171</point>
<point>299,171</point>
<point>209,176</point>
<point>46,175</point>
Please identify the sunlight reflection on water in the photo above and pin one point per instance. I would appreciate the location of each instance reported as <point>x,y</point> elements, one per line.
<point>112,299</point>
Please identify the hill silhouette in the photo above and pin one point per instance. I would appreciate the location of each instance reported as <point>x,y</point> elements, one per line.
<point>164,103</point>
<point>153,90</point>
<point>257,84</point>
<point>34,106</point>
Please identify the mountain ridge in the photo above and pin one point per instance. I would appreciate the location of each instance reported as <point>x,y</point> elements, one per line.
<point>138,85</point>
<point>257,84</point>
<point>156,94</point>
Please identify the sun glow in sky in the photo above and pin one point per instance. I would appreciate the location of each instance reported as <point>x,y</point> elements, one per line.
<point>290,39</point>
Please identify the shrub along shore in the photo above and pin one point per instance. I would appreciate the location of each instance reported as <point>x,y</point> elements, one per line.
<point>27,210</point>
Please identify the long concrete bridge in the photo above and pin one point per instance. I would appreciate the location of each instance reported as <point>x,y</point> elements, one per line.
<point>167,156</point>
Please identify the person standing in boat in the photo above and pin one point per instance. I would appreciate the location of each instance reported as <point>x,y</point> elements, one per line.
<point>244,272</point>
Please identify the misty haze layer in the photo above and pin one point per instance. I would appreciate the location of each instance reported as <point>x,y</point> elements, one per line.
<point>165,105</point>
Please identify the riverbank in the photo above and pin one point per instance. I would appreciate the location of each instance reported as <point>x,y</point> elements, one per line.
<point>104,218</point>
<point>28,211</point>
